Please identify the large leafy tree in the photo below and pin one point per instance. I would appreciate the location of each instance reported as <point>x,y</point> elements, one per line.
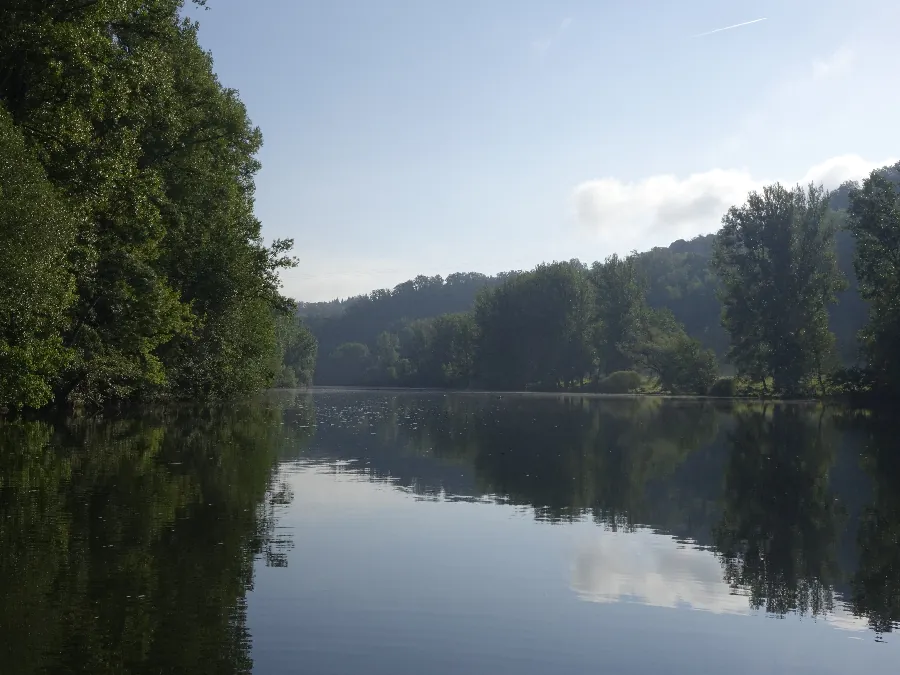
<point>537,329</point>
<point>875,222</point>
<point>82,81</point>
<point>775,258</point>
<point>36,289</point>
<point>621,311</point>
<point>176,293</point>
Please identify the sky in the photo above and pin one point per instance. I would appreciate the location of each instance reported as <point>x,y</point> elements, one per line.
<point>422,137</point>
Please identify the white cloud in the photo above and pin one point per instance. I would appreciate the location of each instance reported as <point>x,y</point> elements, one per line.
<point>658,209</point>
<point>832,172</point>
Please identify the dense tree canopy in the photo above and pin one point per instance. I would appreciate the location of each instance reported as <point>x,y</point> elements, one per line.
<point>537,328</point>
<point>559,326</point>
<point>36,286</point>
<point>875,222</point>
<point>140,166</point>
<point>775,258</point>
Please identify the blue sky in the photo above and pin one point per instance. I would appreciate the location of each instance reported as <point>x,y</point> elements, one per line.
<point>424,137</point>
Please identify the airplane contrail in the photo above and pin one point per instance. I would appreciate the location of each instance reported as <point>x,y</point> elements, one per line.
<point>737,25</point>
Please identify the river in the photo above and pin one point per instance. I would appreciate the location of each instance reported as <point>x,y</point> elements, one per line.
<point>390,533</point>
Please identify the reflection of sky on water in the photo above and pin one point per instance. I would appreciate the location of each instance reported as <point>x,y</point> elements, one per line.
<point>382,581</point>
<point>656,570</point>
<point>640,566</point>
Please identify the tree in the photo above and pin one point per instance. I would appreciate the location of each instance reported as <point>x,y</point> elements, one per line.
<point>620,309</point>
<point>440,351</point>
<point>537,328</point>
<point>176,294</point>
<point>386,365</point>
<point>775,259</point>
<point>362,318</point>
<point>297,353</point>
<point>680,280</point>
<point>875,223</point>
<point>36,289</point>
<point>679,362</point>
<point>348,364</point>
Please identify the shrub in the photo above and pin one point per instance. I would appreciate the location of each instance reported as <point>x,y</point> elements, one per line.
<point>724,387</point>
<point>620,382</point>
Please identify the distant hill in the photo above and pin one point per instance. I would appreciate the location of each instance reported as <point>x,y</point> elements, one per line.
<point>362,318</point>
<point>679,279</point>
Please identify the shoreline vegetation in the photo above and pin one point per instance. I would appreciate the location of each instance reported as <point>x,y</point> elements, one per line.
<point>133,268</point>
<point>648,393</point>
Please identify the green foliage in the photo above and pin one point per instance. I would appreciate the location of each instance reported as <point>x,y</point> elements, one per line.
<point>778,258</point>
<point>724,387</point>
<point>620,382</point>
<point>297,350</point>
<point>542,329</point>
<point>36,288</point>
<point>176,294</point>
<point>680,280</point>
<point>363,318</point>
<point>386,363</point>
<point>440,352</point>
<point>775,258</point>
<point>680,363</point>
<point>348,364</point>
<point>620,311</point>
<point>537,329</point>
<point>875,223</point>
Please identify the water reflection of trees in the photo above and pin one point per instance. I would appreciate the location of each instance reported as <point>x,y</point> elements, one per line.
<point>780,520</point>
<point>770,489</point>
<point>127,545</point>
<point>875,585</point>
<point>562,457</point>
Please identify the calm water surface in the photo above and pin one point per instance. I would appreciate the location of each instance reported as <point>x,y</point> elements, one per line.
<point>369,532</point>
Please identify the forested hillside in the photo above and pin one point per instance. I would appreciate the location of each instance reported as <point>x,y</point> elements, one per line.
<point>362,318</point>
<point>657,311</point>
<point>678,277</point>
<point>131,263</point>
